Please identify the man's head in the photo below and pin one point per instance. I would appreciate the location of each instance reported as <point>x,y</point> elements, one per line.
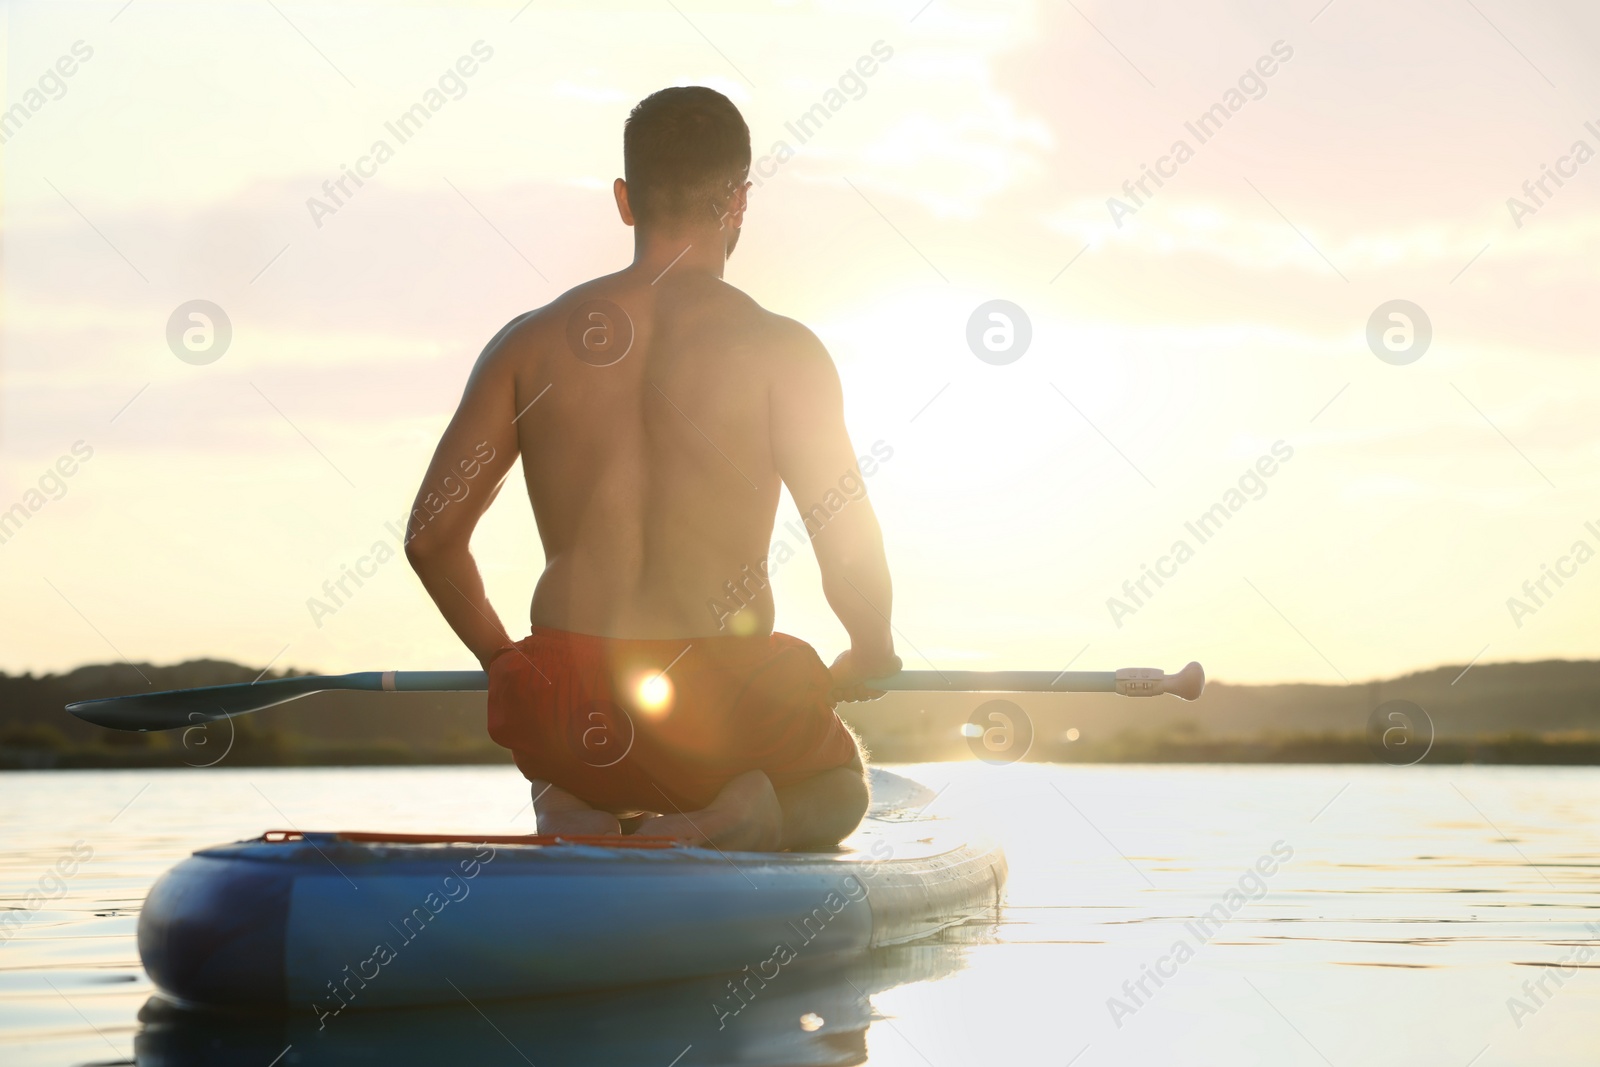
<point>685,158</point>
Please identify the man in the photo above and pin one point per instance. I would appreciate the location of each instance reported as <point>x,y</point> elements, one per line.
<point>656,411</point>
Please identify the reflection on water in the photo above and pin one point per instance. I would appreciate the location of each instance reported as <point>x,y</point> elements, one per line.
<point>809,1017</point>
<point>1246,915</point>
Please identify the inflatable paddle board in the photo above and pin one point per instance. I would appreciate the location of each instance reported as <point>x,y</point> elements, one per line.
<point>330,922</point>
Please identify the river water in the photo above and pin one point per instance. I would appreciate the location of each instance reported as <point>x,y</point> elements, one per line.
<point>1369,915</point>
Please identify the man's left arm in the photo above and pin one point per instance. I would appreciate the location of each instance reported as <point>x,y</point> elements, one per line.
<point>472,460</point>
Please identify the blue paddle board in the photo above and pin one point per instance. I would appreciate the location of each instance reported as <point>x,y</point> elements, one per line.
<point>333,922</point>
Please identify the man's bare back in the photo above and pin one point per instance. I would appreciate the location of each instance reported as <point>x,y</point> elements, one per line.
<point>649,509</point>
<point>657,412</point>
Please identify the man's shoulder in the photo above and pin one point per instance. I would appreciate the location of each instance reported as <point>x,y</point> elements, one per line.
<point>793,345</point>
<point>554,314</point>
<point>727,300</point>
<point>785,338</point>
<point>785,342</point>
<point>541,324</point>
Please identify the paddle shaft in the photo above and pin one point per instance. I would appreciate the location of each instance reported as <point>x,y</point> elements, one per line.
<point>902,682</point>
<point>1130,681</point>
<point>934,681</point>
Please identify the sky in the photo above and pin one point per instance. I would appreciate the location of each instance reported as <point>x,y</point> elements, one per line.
<point>1180,335</point>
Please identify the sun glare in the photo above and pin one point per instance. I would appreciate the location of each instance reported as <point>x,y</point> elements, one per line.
<point>653,693</point>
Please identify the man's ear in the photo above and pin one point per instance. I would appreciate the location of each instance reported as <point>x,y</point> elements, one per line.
<point>619,189</point>
<point>736,205</point>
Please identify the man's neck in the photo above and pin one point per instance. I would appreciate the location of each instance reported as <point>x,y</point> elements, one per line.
<point>702,251</point>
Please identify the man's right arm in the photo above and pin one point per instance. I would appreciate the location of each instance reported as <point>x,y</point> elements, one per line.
<point>817,462</point>
<point>471,462</point>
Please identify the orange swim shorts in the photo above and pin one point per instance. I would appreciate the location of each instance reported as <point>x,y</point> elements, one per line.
<point>661,725</point>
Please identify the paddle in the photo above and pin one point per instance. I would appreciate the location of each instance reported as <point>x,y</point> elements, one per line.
<point>177,708</point>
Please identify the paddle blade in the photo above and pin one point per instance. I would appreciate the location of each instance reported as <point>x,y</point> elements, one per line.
<point>178,708</point>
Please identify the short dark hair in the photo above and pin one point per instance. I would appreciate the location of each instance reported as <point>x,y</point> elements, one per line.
<point>684,149</point>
